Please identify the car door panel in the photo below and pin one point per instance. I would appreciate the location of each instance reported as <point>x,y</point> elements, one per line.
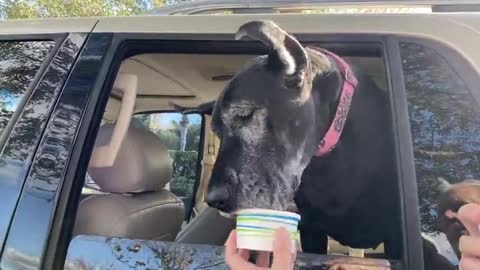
<point>30,226</point>
<point>19,148</point>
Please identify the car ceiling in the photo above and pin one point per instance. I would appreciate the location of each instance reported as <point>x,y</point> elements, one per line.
<point>187,79</point>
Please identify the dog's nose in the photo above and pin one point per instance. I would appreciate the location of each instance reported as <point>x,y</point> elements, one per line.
<point>219,197</point>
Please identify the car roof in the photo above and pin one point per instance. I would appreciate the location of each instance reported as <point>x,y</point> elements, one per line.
<point>459,30</point>
<point>254,7</point>
<point>263,6</point>
<point>47,26</point>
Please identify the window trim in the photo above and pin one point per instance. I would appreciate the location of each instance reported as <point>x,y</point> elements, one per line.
<point>199,168</point>
<point>58,39</point>
<point>119,50</point>
<point>56,244</point>
<point>412,249</point>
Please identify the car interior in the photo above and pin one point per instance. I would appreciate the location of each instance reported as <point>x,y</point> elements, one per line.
<point>131,197</point>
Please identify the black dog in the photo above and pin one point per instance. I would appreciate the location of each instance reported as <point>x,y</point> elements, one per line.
<point>271,119</point>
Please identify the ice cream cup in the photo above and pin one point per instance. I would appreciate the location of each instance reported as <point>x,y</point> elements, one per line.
<point>256,228</point>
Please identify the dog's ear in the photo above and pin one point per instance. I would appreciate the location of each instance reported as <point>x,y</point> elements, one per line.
<point>286,51</point>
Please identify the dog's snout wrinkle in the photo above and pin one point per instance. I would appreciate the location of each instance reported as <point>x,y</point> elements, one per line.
<point>232,175</point>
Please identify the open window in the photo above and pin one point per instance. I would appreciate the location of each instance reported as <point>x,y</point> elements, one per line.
<point>175,154</point>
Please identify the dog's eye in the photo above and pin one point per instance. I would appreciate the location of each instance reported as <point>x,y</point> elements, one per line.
<point>245,115</point>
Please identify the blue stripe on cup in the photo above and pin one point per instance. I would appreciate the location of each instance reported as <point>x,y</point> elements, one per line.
<point>255,227</point>
<point>269,220</point>
<point>269,215</point>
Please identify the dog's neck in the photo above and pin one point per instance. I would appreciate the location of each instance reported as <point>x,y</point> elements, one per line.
<point>326,92</point>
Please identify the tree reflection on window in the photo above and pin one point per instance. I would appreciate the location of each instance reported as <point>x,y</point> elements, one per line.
<point>19,62</point>
<point>445,126</point>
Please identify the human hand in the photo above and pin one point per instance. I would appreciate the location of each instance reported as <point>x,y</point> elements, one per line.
<point>283,255</point>
<point>469,215</point>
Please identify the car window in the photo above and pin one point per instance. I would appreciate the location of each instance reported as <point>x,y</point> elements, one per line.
<point>19,62</point>
<point>181,135</point>
<point>445,126</point>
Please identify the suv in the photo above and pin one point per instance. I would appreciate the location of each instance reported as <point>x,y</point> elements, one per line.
<point>68,87</point>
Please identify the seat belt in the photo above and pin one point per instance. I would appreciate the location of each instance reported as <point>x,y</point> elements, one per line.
<point>210,146</point>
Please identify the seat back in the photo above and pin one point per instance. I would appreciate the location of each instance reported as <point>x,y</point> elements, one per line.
<point>136,204</point>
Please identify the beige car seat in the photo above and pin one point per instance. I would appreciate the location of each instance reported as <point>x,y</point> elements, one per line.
<point>132,166</point>
<point>137,206</point>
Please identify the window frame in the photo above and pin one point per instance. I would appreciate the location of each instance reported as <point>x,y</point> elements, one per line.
<point>59,238</point>
<point>413,251</point>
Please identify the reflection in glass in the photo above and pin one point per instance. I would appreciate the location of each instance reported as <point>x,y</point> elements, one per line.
<point>445,125</point>
<point>181,135</point>
<point>95,252</point>
<point>19,62</point>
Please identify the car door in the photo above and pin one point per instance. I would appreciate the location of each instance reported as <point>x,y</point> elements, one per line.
<point>143,35</point>
<point>117,38</point>
<point>35,61</point>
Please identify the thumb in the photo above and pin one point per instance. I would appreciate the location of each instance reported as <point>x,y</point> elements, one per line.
<point>283,253</point>
<point>469,215</point>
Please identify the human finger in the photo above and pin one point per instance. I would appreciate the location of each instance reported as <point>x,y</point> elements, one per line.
<point>233,257</point>
<point>469,263</point>
<point>244,253</point>
<point>282,251</point>
<point>470,246</point>
<point>263,259</point>
<point>469,215</point>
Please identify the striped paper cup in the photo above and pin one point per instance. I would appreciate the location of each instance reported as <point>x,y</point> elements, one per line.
<point>256,227</point>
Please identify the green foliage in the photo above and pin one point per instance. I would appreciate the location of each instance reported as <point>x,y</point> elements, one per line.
<point>141,121</point>
<point>184,172</point>
<point>27,9</point>
<point>193,137</point>
<point>169,138</point>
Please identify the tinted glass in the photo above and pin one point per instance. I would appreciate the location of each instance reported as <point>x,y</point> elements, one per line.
<point>181,135</point>
<point>19,62</point>
<point>445,126</point>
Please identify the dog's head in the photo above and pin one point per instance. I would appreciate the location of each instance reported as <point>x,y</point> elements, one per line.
<point>265,120</point>
<point>450,200</point>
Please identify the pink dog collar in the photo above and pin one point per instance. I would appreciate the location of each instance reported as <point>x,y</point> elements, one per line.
<point>331,138</point>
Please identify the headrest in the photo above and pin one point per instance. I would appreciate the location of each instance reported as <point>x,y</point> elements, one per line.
<point>142,163</point>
